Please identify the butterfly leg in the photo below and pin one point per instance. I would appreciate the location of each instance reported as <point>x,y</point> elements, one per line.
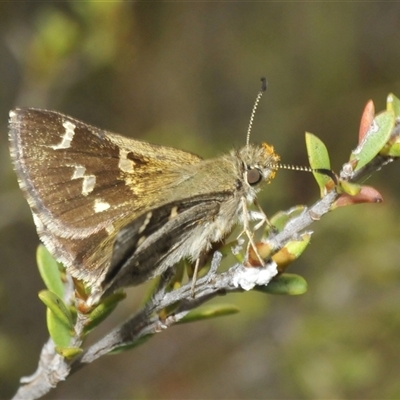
<point>262,217</point>
<point>246,229</point>
<point>194,277</point>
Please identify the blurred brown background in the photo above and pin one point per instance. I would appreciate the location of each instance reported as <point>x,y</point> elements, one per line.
<point>186,75</point>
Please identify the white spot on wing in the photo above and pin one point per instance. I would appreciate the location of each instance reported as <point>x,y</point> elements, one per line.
<point>79,172</point>
<point>67,137</point>
<point>141,240</point>
<point>100,206</point>
<point>89,181</point>
<point>110,228</point>
<point>88,184</point>
<point>125,164</point>
<point>146,222</point>
<point>173,213</point>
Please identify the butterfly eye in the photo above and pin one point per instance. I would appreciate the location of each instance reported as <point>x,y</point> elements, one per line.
<point>254,176</point>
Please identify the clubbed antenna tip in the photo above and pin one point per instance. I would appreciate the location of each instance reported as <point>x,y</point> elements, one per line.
<point>263,84</point>
<point>260,93</point>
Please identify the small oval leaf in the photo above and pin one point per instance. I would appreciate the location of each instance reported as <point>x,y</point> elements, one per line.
<point>263,251</point>
<point>49,271</point>
<point>210,311</point>
<point>366,120</point>
<point>59,332</point>
<point>374,140</point>
<point>350,188</point>
<point>291,251</point>
<point>319,159</point>
<point>281,218</point>
<point>286,284</point>
<point>367,194</point>
<point>104,309</point>
<point>392,149</point>
<point>129,346</point>
<point>393,104</point>
<point>68,352</point>
<point>57,306</point>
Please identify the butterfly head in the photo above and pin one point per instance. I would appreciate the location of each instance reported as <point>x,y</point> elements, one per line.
<point>259,164</point>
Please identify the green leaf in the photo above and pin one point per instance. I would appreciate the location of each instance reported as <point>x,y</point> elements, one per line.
<point>49,271</point>
<point>68,352</point>
<point>375,139</point>
<point>392,149</point>
<point>59,331</point>
<point>287,284</point>
<point>393,104</point>
<point>210,311</point>
<point>281,218</point>
<point>57,306</point>
<point>350,188</point>
<point>291,251</point>
<point>319,159</point>
<point>296,247</point>
<point>104,309</point>
<point>59,319</point>
<point>129,346</point>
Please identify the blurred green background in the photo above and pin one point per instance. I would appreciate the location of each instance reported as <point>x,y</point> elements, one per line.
<point>186,75</point>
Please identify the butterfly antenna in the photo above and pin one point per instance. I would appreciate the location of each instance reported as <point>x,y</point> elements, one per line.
<point>258,98</point>
<point>323,171</point>
<point>295,167</point>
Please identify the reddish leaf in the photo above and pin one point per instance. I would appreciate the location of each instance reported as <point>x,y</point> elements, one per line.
<point>366,120</point>
<point>264,251</point>
<point>367,194</point>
